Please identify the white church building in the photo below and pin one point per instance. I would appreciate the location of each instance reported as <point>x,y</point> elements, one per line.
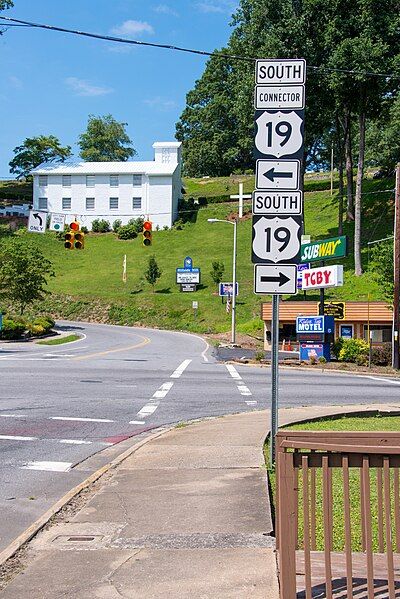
<point>86,191</point>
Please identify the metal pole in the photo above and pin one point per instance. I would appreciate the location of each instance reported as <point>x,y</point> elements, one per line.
<point>396,273</point>
<point>274,374</point>
<point>234,283</point>
<point>332,170</point>
<point>240,200</point>
<point>322,297</point>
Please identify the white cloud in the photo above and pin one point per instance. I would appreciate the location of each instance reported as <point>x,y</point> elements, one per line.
<point>160,103</point>
<point>84,88</point>
<point>164,9</point>
<point>15,82</point>
<point>217,6</point>
<point>132,28</point>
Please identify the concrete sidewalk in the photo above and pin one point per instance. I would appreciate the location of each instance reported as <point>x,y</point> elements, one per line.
<point>186,516</point>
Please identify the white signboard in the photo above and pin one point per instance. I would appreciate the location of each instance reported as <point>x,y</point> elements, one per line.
<point>281,71</point>
<point>277,202</point>
<point>188,277</point>
<point>57,222</point>
<point>276,238</point>
<point>278,174</point>
<point>279,134</point>
<point>325,276</point>
<point>275,278</point>
<point>288,97</point>
<point>37,221</point>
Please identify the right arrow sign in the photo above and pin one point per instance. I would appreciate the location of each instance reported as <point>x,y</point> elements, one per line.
<point>271,278</point>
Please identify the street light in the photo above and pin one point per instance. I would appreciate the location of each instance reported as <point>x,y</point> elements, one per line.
<point>234,223</point>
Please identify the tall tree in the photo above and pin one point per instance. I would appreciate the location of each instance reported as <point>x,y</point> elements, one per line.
<point>24,272</point>
<point>36,150</point>
<point>105,140</point>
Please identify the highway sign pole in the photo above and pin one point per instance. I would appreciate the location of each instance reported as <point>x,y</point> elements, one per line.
<point>234,283</point>
<point>396,256</point>
<point>274,374</point>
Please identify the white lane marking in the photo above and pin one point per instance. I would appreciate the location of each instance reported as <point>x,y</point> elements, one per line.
<point>16,438</point>
<point>136,422</point>
<point>48,466</point>
<point>203,355</point>
<point>181,368</point>
<point>251,403</point>
<point>243,390</point>
<point>162,391</point>
<point>233,372</point>
<point>72,441</point>
<point>382,380</point>
<point>79,419</point>
<point>13,416</point>
<point>148,409</point>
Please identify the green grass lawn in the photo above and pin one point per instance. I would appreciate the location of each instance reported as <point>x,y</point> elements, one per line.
<point>88,283</point>
<point>347,423</point>
<point>60,340</point>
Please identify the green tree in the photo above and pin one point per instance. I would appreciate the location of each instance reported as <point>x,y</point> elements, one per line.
<point>153,273</point>
<point>24,272</point>
<point>217,272</point>
<point>382,265</point>
<point>36,150</point>
<point>105,140</point>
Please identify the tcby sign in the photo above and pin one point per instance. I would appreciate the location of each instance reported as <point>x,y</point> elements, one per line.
<point>325,276</point>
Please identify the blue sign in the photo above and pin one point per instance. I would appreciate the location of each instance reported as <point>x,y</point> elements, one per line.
<point>301,267</point>
<point>188,270</point>
<point>188,263</point>
<point>311,350</point>
<point>346,331</point>
<point>226,289</point>
<point>314,324</point>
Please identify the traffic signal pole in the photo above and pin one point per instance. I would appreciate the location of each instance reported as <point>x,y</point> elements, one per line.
<point>396,273</point>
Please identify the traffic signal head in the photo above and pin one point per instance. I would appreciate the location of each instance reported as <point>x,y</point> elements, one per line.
<point>147,232</point>
<point>79,240</point>
<point>74,226</point>
<point>69,240</point>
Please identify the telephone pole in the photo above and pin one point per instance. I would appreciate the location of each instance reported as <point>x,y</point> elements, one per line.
<point>396,265</point>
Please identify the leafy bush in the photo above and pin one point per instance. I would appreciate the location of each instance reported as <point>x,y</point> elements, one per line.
<point>337,346</point>
<point>217,272</point>
<point>6,231</point>
<point>382,355</point>
<point>136,223</point>
<point>100,226</point>
<point>127,232</point>
<point>85,230</point>
<point>40,326</point>
<point>260,355</point>
<point>117,225</point>
<point>322,360</point>
<point>12,329</point>
<point>354,350</point>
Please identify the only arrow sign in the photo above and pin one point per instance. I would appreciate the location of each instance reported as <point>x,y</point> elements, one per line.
<point>36,215</point>
<point>281,279</point>
<point>272,174</point>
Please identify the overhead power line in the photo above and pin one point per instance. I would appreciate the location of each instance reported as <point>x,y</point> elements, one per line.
<point>122,40</point>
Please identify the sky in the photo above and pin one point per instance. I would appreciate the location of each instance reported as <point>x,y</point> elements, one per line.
<point>52,81</point>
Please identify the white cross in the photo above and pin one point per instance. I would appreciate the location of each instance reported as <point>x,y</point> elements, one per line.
<point>241,196</point>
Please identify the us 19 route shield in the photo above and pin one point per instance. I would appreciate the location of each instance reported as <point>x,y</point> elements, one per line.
<point>276,239</point>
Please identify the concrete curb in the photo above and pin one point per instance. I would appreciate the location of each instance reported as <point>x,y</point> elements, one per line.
<point>30,532</point>
<point>319,370</point>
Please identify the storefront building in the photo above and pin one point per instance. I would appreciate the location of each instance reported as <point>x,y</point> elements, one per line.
<point>352,320</point>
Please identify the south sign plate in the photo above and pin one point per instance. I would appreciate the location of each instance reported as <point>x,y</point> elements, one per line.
<point>277,202</point>
<point>281,71</point>
<point>274,97</point>
<point>282,175</point>
<point>276,239</point>
<point>279,134</point>
<point>270,279</point>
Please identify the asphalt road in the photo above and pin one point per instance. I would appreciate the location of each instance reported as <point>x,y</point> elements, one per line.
<point>63,404</point>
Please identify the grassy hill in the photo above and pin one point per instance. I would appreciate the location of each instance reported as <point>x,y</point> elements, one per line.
<point>88,284</point>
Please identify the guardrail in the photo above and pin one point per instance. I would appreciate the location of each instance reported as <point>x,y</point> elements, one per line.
<point>338,514</point>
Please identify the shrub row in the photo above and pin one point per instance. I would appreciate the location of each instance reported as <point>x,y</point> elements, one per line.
<point>16,327</point>
<point>357,351</point>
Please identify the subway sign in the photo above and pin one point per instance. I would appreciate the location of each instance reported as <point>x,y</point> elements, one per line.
<point>325,249</point>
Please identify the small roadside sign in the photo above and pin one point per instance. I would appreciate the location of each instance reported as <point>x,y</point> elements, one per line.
<point>226,289</point>
<point>288,97</point>
<point>335,309</point>
<point>188,287</point>
<point>277,202</point>
<point>283,175</point>
<point>184,275</point>
<point>300,268</point>
<point>57,222</point>
<point>276,238</point>
<point>37,221</point>
<point>195,305</point>
<point>323,277</point>
<point>275,278</point>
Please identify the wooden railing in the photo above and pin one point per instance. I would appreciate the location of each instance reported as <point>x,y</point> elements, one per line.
<point>338,514</point>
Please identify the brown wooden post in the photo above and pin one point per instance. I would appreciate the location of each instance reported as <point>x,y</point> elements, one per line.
<point>286,524</point>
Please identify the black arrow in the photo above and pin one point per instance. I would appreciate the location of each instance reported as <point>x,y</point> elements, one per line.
<point>272,174</point>
<point>39,218</point>
<point>281,279</point>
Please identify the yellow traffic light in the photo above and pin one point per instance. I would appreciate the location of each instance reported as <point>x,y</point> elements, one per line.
<point>69,240</point>
<point>79,240</point>
<point>147,233</point>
